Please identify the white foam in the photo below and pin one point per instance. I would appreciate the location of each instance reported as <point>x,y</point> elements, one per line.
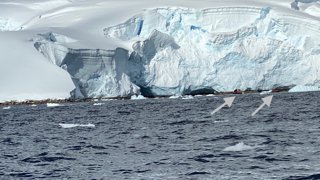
<point>238,147</point>
<point>76,125</point>
<point>7,108</point>
<point>33,105</point>
<point>52,104</point>
<point>98,104</point>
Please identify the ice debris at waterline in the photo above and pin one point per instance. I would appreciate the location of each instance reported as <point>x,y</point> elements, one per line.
<point>301,88</point>
<point>137,97</point>
<point>266,92</point>
<point>98,104</point>
<point>239,147</point>
<point>174,97</point>
<point>187,97</point>
<point>66,126</point>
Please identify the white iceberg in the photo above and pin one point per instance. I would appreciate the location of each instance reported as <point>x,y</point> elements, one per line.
<point>6,108</point>
<point>98,104</point>
<point>266,92</point>
<point>76,125</point>
<point>175,97</point>
<point>188,97</point>
<point>239,147</point>
<point>53,104</point>
<point>137,97</point>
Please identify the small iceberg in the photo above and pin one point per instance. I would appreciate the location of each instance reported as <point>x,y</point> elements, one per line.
<point>6,108</point>
<point>108,100</point>
<point>33,105</point>
<point>210,95</point>
<point>174,97</point>
<point>98,104</point>
<point>76,125</point>
<point>238,147</point>
<point>301,88</point>
<point>266,92</point>
<point>52,104</point>
<point>137,97</point>
<point>187,97</point>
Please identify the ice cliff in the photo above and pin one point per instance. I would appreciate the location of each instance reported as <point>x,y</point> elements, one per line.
<point>96,73</point>
<point>190,51</point>
<point>185,50</point>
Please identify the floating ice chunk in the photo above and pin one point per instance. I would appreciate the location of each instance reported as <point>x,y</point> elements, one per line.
<point>210,95</point>
<point>52,104</point>
<point>76,125</point>
<point>301,88</point>
<point>108,99</point>
<point>266,92</point>
<point>7,108</point>
<point>174,97</point>
<point>33,105</point>
<point>98,104</point>
<point>187,97</point>
<point>239,147</point>
<point>137,97</point>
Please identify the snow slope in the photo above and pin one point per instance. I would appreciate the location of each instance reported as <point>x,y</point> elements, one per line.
<point>26,74</point>
<point>118,48</point>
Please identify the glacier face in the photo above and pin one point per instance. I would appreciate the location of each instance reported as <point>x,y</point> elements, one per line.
<point>96,73</point>
<point>186,50</point>
<point>180,51</point>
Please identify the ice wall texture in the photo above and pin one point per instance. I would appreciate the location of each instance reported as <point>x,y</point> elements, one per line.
<point>96,73</point>
<point>179,50</point>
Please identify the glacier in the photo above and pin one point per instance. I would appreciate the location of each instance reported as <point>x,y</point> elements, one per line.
<point>96,73</point>
<point>186,50</point>
<point>127,49</point>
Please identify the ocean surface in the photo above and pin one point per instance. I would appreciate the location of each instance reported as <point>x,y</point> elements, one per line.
<point>164,139</point>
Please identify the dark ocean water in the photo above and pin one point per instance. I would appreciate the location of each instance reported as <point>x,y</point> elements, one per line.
<point>164,139</point>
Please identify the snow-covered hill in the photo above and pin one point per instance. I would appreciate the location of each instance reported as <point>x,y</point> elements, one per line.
<point>118,48</point>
